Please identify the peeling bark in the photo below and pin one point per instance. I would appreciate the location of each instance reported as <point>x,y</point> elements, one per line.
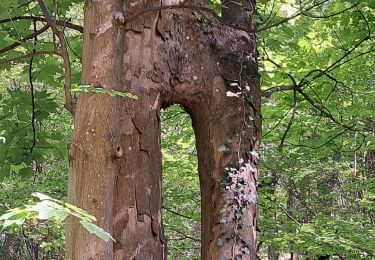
<point>164,57</point>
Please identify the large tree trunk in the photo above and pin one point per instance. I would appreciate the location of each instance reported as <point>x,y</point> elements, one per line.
<point>165,57</point>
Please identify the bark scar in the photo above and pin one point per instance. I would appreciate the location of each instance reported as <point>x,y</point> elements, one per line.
<point>156,102</point>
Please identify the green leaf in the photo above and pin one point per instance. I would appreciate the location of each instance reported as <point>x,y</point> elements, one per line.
<point>12,214</point>
<point>43,210</point>
<point>42,196</point>
<point>78,212</point>
<point>26,172</point>
<point>99,232</point>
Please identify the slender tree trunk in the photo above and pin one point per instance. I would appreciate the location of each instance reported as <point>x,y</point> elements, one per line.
<point>164,57</point>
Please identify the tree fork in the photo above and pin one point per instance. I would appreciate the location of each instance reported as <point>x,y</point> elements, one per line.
<point>115,155</point>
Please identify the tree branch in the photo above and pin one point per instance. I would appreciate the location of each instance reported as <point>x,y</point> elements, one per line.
<point>320,107</point>
<point>176,213</point>
<point>305,13</point>
<point>294,112</point>
<point>36,53</point>
<point>324,110</point>
<point>32,91</point>
<point>47,16</point>
<point>183,234</point>
<point>323,144</point>
<point>277,124</point>
<point>69,100</point>
<point>334,65</point>
<point>43,19</point>
<point>28,37</point>
<point>268,92</point>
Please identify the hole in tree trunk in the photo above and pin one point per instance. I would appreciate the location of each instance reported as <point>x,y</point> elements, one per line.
<point>181,192</point>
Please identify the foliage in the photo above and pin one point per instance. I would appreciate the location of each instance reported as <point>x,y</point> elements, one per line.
<point>53,212</point>
<point>316,192</point>
<point>15,190</point>
<point>181,193</point>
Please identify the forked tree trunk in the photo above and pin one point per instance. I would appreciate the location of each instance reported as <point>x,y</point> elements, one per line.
<point>164,57</point>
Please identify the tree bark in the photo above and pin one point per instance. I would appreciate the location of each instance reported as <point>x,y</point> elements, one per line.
<point>164,57</point>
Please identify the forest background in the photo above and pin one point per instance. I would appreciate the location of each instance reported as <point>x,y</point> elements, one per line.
<point>317,184</point>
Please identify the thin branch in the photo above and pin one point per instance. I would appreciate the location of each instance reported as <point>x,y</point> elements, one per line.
<point>353,58</point>
<point>28,245</point>
<point>32,90</point>
<point>43,19</point>
<point>36,53</point>
<point>46,14</point>
<point>277,124</point>
<point>69,100</point>
<point>283,209</point>
<point>323,144</point>
<point>183,234</point>
<point>74,52</point>
<point>53,25</point>
<point>334,65</point>
<point>176,213</point>
<point>295,107</point>
<point>271,12</point>
<point>270,18</point>
<point>287,19</point>
<point>305,13</point>
<point>28,37</point>
<point>366,22</point>
<point>269,91</point>
<point>174,115</point>
<point>324,110</point>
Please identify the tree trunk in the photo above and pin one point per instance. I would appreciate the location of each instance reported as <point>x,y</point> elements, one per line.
<point>164,57</point>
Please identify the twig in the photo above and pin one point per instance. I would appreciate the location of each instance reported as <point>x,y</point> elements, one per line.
<point>350,59</point>
<point>324,110</point>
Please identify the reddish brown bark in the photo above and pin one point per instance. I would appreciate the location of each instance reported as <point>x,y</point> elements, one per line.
<point>164,57</point>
